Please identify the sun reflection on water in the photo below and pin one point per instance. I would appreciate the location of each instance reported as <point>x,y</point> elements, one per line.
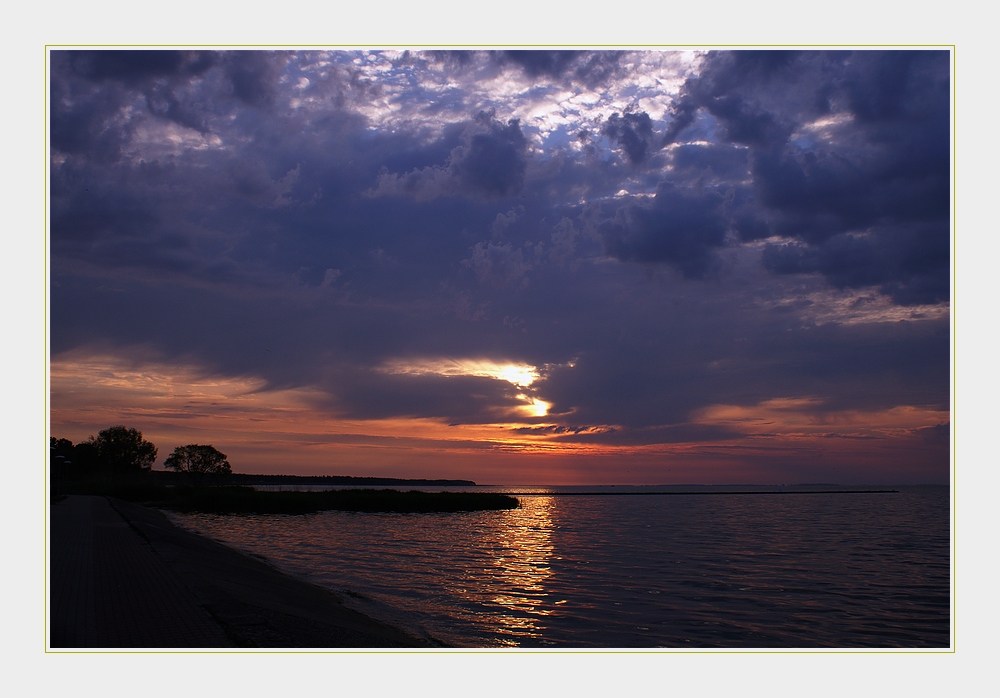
<point>631,571</point>
<point>491,570</point>
<point>520,552</point>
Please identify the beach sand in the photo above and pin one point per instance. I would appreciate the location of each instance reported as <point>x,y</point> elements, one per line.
<point>122,576</point>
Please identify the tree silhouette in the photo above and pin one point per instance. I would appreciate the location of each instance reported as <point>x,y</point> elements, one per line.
<point>198,460</point>
<point>123,451</point>
<point>60,450</point>
<point>60,458</point>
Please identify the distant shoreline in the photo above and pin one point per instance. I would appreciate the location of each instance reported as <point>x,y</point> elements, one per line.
<point>702,493</point>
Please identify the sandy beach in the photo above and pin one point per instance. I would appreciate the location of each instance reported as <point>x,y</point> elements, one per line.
<point>122,576</point>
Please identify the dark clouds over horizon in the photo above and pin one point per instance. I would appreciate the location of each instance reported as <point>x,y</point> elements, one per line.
<point>657,232</point>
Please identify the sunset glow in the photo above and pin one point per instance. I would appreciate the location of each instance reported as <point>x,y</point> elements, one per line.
<point>519,375</point>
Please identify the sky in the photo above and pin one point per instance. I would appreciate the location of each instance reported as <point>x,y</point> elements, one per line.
<point>515,267</point>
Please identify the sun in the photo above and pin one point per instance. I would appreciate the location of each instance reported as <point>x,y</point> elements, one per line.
<point>519,375</point>
<point>536,407</point>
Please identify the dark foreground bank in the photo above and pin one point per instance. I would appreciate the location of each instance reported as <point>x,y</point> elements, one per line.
<point>122,576</point>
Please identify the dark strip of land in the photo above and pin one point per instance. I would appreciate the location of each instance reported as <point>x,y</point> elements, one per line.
<point>237,499</point>
<point>687,494</point>
<point>246,500</point>
<point>122,576</point>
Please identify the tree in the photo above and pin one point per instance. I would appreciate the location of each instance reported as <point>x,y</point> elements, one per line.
<point>85,459</point>
<point>123,451</point>
<point>198,460</point>
<point>60,458</point>
<point>70,460</point>
<point>60,451</point>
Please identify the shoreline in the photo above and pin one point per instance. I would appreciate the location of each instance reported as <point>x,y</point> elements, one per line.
<point>124,576</point>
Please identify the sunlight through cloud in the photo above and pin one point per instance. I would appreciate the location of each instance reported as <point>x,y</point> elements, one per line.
<point>519,375</point>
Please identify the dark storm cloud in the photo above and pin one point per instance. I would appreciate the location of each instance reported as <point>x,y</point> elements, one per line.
<point>92,92</point>
<point>137,67</point>
<point>95,93</point>
<point>166,104</point>
<point>632,131</point>
<point>721,91</point>
<point>88,123</point>
<point>537,63</point>
<point>904,262</point>
<point>867,205</point>
<point>680,227</point>
<point>493,160</point>
<point>499,265</point>
<point>890,87</point>
<point>939,435</point>
<point>656,367</point>
<point>490,161</point>
<point>213,208</point>
<point>747,126</point>
<point>452,399</point>
<point>718,90</point>
<point>254,75</point>
<point>589,68</point>
<point>103,215</point>
<point>721,162</point>
<point>682,113</point>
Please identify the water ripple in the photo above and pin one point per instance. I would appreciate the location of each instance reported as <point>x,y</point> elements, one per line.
<point>727,571</point>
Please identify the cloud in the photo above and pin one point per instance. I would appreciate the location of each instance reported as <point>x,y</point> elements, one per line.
<point>848,156</point>
<point>904,262</point>
<point>564,241</point>
<point>721,162</point>
<point>541,63</point>
<point>681,228</point>
<point>501,266</point>
<point>93,123</point>
<point>254,75</point>
<point>136,66</point>
<point>592,69</point>
<point>452,399</point>
<point>491,161</point>
<point>96,94</point>
<point>632,131</point>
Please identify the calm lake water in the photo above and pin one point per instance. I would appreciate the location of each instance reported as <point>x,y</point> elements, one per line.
<point>745,570</point>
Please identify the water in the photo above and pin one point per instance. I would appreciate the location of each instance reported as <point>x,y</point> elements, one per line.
<point>770,571</point>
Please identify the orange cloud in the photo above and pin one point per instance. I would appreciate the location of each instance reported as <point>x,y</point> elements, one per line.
<point>265,430</point>
<point>805,416</point>
<point>292,431</point>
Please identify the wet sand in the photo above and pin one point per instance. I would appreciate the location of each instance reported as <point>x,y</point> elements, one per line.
<point>122,576</point>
